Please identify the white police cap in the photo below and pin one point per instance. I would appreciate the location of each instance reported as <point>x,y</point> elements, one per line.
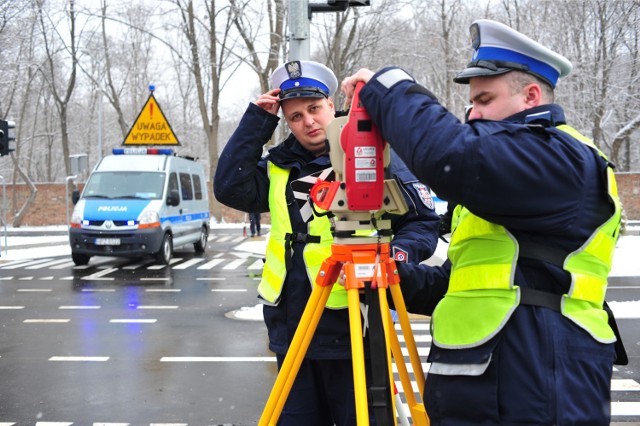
<point>499,49</point>
<point>304,79</point>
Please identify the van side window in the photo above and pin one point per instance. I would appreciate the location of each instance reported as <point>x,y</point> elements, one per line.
<point>185,184</point>
<point>197,187</point>
<point>173,183</point>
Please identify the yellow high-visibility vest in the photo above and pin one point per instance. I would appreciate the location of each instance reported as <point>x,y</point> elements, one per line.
<point>482,294</point>
<point>275,271</point>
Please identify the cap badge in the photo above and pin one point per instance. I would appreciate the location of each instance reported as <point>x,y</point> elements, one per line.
<point>474,31</point>
<point>294,69</point>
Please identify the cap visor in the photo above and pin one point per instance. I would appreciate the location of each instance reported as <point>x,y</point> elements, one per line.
<point>464,76</point>
<point>291,94</point>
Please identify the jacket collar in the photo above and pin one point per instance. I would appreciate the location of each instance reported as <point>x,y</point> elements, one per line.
<point>546,115</point>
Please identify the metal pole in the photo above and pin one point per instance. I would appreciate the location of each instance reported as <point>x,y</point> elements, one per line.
<point>299,28</point>
<point>66,185</point>
<point>4,214</point>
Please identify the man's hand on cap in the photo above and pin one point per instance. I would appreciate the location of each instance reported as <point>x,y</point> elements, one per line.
<point>269,101</point>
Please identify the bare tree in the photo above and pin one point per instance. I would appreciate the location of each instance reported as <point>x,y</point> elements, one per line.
<point>249,21</point>
<point>56,46</point>
<point>208,56</point>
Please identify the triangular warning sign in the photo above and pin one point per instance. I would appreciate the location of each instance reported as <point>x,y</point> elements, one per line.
<point>151,127</point>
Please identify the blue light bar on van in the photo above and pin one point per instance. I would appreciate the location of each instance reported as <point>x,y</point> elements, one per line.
<point>150,151</point>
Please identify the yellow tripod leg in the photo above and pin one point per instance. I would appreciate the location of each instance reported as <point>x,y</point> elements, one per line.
<point>418,411</point>
<point>387,325</point>
<point>405,324</point>
<point>357,357</point>
<point>295,355</point>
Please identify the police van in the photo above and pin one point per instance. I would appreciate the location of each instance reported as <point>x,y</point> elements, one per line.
<point>141,202</point>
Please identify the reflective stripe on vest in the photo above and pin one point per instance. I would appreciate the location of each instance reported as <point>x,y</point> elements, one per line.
<point>482,296</point>
<point>274,271</point>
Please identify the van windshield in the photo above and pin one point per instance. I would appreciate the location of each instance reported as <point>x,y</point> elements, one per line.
<point>135,185</point>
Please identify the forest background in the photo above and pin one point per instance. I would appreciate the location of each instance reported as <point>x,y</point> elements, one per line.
<point>75,73</point>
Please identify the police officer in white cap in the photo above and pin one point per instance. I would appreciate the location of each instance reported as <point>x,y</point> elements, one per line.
<point>519,324</point>
<point>298,243</point>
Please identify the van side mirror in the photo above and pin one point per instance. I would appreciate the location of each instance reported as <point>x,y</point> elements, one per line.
<point>173,199</point>
<point>75,196</point>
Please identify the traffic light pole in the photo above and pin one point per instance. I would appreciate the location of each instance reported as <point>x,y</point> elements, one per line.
<point>300,13</point>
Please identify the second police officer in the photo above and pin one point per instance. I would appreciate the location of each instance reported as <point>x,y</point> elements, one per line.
<point>521,335</point>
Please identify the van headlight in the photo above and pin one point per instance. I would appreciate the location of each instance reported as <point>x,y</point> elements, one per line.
<point>76,220</point>
<point>149,219</point>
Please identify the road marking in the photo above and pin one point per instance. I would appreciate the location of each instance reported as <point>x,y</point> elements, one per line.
<point>210,279</point>
<point>155,278</point>
<point>171,262</point>
<point>132,321</point>
<point>15,262</point>
<point>234,264</point>
<point>98,290</point>
<point>217,359</point>
<point>101,275</point>
<point>624,385</point>
<point>23,264</point>
<point>79,307</point>
<point>48,278</point>
<point>6,278</point>
<point>45,321</point>
<point>138,265</point>
<point>188,263</point>
<point>11,307</point>
<point>111,424</point>
<point>54,423</point>
<point>34,290</point>
<point>25,278</point>
<point>63,265</point>
<point>163,290</point>
<point>157,307</point>
<point>210,264</point>
<point>625,408</point>
<point>45,264</point>
<point>80,358</point>
<point>168,424</point>
<point>258,264</point>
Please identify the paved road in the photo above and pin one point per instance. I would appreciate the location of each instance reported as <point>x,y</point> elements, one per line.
<point>123,342</point>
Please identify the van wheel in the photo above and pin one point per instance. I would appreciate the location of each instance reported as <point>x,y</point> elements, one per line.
<point>80,259</point>
<point>166,250</point>
<point>201,245</point>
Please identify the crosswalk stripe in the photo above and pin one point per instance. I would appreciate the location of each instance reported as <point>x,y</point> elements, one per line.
<point>188,263</point>
<point>257,265</point>
<point>171,262</point>
<point>46,264</point>
<point>63,265</point>
<point>210,264</point>
<point>25,264</point>
<point>234,264</point>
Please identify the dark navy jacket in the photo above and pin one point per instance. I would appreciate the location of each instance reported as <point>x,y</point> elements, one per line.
<point>241,182</point>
